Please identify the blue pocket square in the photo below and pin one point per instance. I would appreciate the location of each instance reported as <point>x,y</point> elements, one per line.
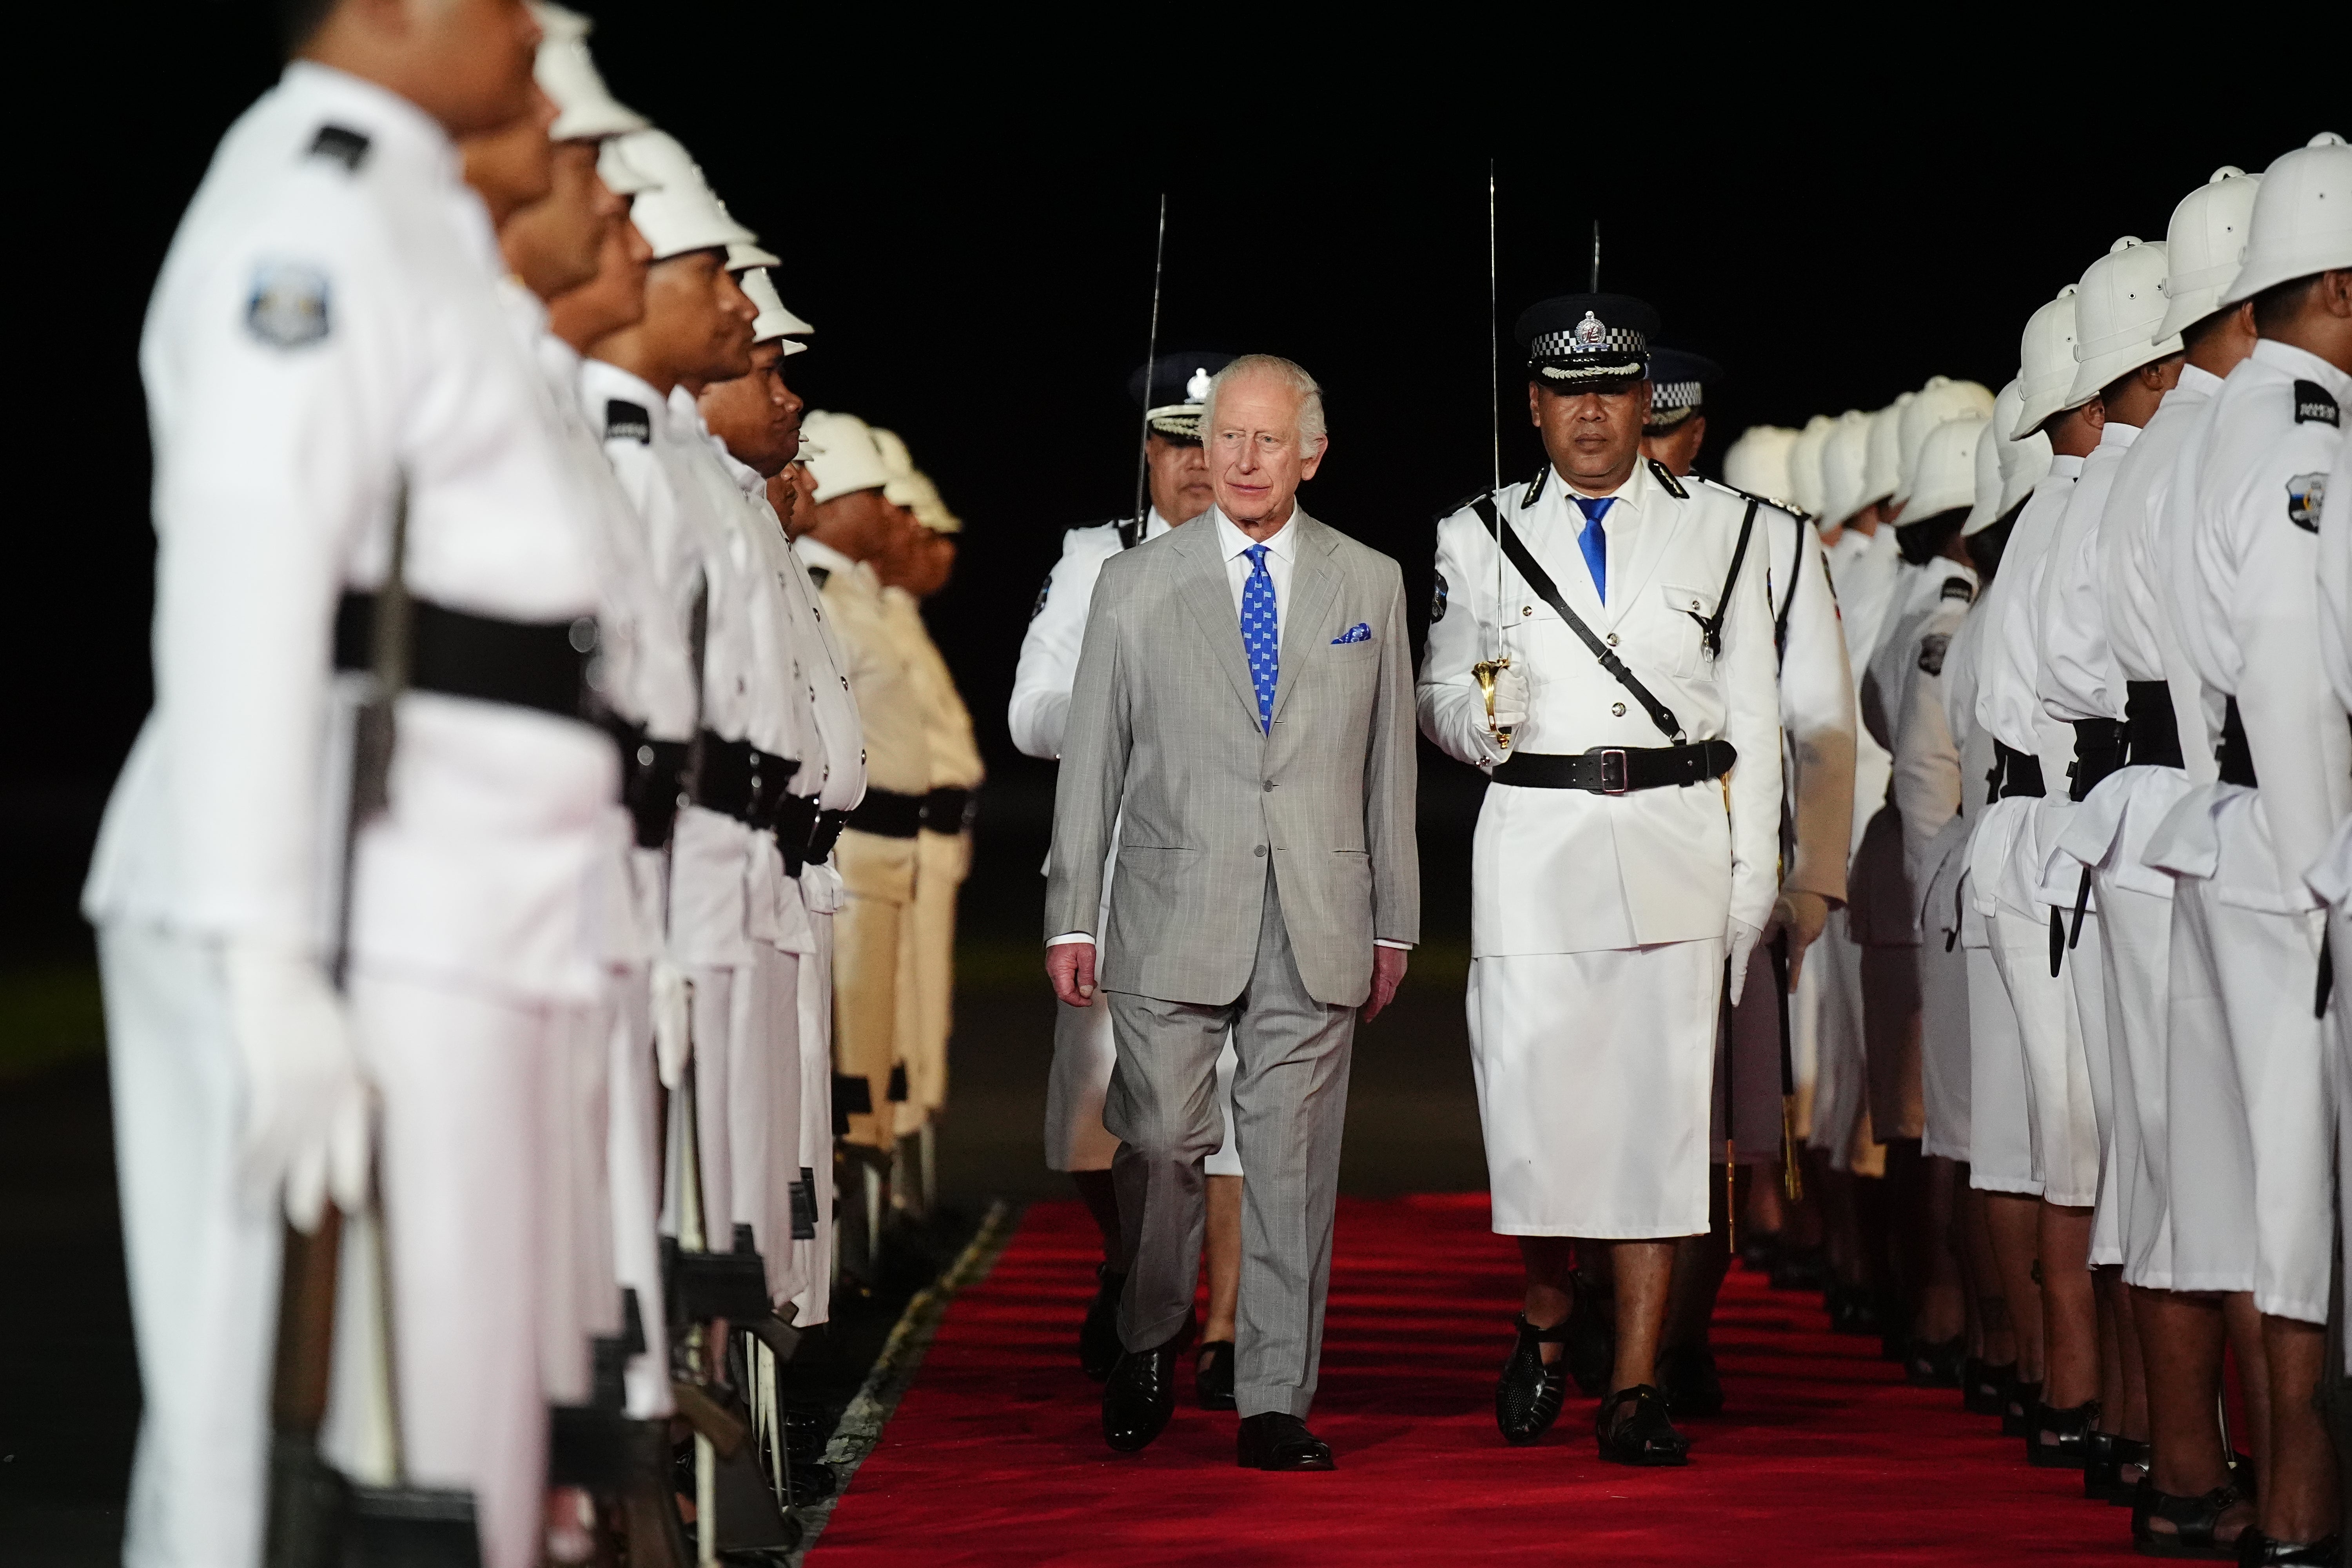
<point>1356,632</point>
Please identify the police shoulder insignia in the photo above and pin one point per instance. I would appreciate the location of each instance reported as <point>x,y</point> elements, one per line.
<point>1958,588</point>
<point>1044,590</point>
<point>1438,601</point>
<point>2306,494</point>
<point>628,421</point>
<point>287,306</point>
<point>1666,477</point>
<point>2314,404</point>
<point>1931,652</point>
<point>342,145</point>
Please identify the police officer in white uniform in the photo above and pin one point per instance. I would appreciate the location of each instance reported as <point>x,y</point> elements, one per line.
<point>311,381</point>
<point>1612,876</point>
<point>2247,925</point>
<point>1171,391</point>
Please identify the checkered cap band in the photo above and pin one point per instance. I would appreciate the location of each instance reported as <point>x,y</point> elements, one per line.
<point>1674,396</point>
<point>1617,341</point>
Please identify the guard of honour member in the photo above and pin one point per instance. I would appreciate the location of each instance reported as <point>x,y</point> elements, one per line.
<point>465,907</point>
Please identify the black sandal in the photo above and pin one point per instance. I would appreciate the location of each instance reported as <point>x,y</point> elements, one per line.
<point>1529,1395</point>
<point>1982,1385</point>
<point>1213,1375</point>
<point>2255,1548</point>
<point>2193,1519</point>
<point>2070,1430</point>
<point>1646,1436</point>
<point>2017,1404</point>
<point>1935,1365</point>
<point>2103,1468</point>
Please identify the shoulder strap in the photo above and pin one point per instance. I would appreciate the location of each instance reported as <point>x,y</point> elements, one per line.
<point>1547,591</point>
<point>1130,530</point>
<point>1710,629</point>
<point>1796,575</point>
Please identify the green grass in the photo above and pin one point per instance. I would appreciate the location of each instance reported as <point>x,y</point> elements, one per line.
<point>50,1016</point>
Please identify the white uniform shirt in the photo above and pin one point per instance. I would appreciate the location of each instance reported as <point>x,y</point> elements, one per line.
<point>2336,581</point>
<point>897,755</point>
<point>1040,707</point>
<point>1817,700</point>
<point>1563,870</point>
<point>2009,661</point>
<point>841,739</point>
<point>326,327</point>
<point>2078,676</point>
<point>2259,602</point>
<point>2141,634</point>
<point>1903,703</point>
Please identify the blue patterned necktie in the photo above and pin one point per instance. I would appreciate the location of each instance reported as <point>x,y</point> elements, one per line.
<point>1594,542</point>
<point>1261,633</point>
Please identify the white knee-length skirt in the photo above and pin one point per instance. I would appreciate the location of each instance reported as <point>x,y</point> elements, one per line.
<point>1594,1074</point>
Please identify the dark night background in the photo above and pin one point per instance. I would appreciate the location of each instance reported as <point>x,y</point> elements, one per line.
<point>965,209</point>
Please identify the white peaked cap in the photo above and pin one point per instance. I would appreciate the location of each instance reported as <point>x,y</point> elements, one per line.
<point>681,215</point>
<point>1938,402</point>
<point>743,257</point>
<point>899,489</point>
<point>1984,502</point>
<point>844,458</point>
<point>1805,466</point>
<point>2301,222</point>
<point>1945,477</point>
<point>621,178</point>
<point>586,109</point>
<point>2047,362</point>
<point>2118,305</point>
<point>1884,472</point>
<point>2024,459</point>
<point>775,323</point>
<point>929,509</point>
<point>1759,462</point>
<point>1845,456</point>
<point>2201,246</point>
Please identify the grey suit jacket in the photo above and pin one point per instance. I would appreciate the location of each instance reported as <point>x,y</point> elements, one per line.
<point>1163,725</point>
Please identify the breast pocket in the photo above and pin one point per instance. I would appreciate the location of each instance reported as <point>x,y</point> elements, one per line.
<point>1680,630</point>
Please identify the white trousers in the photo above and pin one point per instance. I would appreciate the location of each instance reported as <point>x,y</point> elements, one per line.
<point>2251,1120</point>
<point>812,1303</point>
<point>763,1109</point>
<point>633,1165</point>
<point>1080,1077</point>
<point>202,1258</point>
<point>2060,1115</point>
<point>582,1298</point>
<point>1946,1066</point>
<point>1593,1072</point>
<point>2135,930</point>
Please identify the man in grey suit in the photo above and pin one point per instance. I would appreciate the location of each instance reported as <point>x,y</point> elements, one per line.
<point>1244,699</point>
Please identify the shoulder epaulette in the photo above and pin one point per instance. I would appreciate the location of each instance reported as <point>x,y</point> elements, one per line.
<point>2314,404</point>
<point>1791,508</point>
<point>1666,477</point>
<point>342,145</point>
<point>628,421</point>
<point>1536,486</point>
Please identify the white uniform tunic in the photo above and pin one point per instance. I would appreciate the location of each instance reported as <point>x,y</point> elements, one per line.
<point>1597,921</point>
<point>2331,878</point>
<point>2116,583</point>
<point>328,325</point>
<point>1083,1052</point>
<point>2247,925</point>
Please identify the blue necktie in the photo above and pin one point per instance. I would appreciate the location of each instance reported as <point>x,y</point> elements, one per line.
<point>1594,542</point>
<point>1261,633</point>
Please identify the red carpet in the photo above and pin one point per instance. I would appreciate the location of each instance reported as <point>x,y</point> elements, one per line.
<point>1824,1455</point>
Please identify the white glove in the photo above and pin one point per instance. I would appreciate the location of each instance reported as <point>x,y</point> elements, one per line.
<point>673,1022</point>
<point>1510,697</point>
<point>306,1099</point>
<point>1739,939</point>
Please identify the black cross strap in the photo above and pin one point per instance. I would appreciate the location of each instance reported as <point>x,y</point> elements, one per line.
<point>1710,627</point>
<point>1796,575</point>
<point>1524,561</point>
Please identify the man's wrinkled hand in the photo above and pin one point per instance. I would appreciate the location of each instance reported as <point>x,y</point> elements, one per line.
<point>1070,965</point>
<point>1802,915</point>
<point>1388,974</point>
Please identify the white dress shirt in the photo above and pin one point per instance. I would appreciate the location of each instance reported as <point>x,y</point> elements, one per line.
<point>2141,633</point>
<point>2078,675</point>
<point>1281,554</point>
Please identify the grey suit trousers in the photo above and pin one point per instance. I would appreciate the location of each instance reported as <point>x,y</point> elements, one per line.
<point>1290,1107</point>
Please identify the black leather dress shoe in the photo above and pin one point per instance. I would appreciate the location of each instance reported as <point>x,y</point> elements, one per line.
<point>1141,1395</point>
<point>1212,1376</point>
<point>1099,1345</point>
<point>1279,1441</point>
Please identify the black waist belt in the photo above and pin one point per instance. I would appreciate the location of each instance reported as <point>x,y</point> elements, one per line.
<point>1617,770</point>
<point>947,810</point>
<point>652,772</point>
<point>825,835</point>
<point>525,664</point>
<point>739,780</point>
<point>2236,758</point>
<point>2149,726</point>
<point>2017,772</point>
<point>2098,752</point>
<point>888,814</point>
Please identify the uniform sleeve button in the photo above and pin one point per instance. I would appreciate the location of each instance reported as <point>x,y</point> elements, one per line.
<point>1617,709</point>
<point>1526,609</point>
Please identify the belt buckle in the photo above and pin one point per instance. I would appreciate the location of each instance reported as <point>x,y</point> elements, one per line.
<point>1619,787</point>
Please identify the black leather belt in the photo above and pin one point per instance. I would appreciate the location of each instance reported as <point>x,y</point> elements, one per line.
<point>541,665</point>
<point>825,835</point>
<point>2236,758</point>
<point>948,810</point>
<point>887,813</point>
<point>2015,773</point>
<point>2098,752</point>
<point>2149,726</point>
<point>652,778</point>
<point>735,778</point>
<point>1619,770</point>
